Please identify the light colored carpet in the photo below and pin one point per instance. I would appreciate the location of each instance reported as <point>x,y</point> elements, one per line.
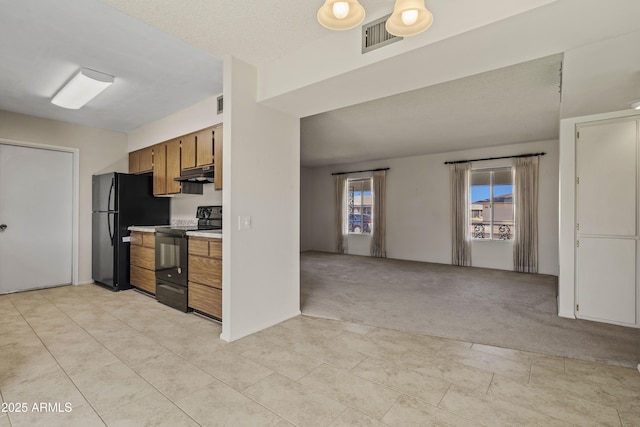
<point>494,307</point>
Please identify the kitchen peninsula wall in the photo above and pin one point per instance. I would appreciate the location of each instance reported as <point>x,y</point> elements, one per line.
<point>196,117</point>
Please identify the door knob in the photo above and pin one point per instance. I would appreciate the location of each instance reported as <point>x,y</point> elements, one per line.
<point>3,227</point>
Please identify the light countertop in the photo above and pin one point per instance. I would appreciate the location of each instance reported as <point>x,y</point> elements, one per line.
<point>205,233</point>
<point>145,228</point>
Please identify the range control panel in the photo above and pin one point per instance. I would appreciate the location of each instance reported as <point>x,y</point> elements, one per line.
<point>209,212</point>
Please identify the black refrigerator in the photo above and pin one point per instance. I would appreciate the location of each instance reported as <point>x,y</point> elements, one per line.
<point>119,201</point>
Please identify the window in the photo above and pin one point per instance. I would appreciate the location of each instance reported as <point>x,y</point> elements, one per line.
<point>359,202</point>
<point>492,209</point>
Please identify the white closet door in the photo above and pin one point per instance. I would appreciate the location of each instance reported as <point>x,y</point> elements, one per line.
<point>606,276</point>
<point>607,214</point>
<point>606,193</point>
<point>36,196</point>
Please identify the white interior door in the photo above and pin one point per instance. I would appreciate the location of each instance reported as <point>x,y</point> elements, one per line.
<point>36,197</point>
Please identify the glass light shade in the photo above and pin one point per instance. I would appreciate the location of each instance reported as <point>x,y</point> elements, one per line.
<point>399,23</point>
<point>82,88</point>
<point>635,105</point>
<point>330,12</point>
<point>340,9</point>
<point>409,17</point>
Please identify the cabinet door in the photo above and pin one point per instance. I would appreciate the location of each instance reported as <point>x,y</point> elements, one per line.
<point>188,148</point>
<point>606,277</point>
<point>143,279</point>
<point>205,270</point>
<point>606,190</point>
<point>145,157</point>
<point>204,145</point>
<point>217,158</point>
<point>143,257</point>
<point>205,299</point>
<point>134,162</point>
<point>160,169</point>
<point>173,166</point>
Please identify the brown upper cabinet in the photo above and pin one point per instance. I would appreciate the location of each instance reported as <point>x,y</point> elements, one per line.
<point>160,169</point>
<point>141,161</point>
<point>167,159</point>
<point>188,151</point>
<point>204,148</point>
<point>217,154</point>
<point>166,168</point>
<point>197,148</point>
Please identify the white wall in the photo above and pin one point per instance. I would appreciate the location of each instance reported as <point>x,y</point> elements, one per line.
<point>418,211</point>
<point>196,117</point>
<point>608,67</point>
<point>261,266</point>
<point>100,151</point>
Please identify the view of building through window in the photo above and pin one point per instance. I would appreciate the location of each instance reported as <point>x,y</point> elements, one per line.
<point>359,201</point>
<point>491,205</point>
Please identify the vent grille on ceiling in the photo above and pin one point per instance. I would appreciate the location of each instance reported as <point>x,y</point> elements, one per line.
<point>375,35</point>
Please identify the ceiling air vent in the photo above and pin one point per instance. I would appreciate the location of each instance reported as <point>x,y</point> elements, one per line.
<point>375,35</point>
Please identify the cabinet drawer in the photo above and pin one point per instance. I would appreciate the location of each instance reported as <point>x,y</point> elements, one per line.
<point>143,239</point>
<point>198,247</point>
<point>136,238</point>
<point>149,240</point>
<point>215,248</point>
<point>143,257</point>
<point>206,299</point>
<point>143,279</point>
<point>205,270</point>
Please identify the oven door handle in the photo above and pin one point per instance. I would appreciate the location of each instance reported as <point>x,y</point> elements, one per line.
<point>171,288</point>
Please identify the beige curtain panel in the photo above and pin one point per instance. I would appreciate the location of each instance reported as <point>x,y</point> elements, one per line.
<point>378,234</point>
<point>340,233</point>
<point>460,214</point>
<point>525,248</point>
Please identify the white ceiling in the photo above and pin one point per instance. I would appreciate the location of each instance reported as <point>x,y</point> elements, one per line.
<point>165,55</point>
<point>43,43</point>
<point>520,103</point>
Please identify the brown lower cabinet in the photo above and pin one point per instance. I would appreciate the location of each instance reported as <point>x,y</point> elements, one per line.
<point>143,261</point>
<point>205,275</point>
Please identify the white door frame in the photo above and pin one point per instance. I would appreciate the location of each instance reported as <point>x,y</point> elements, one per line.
<point>75,152</point>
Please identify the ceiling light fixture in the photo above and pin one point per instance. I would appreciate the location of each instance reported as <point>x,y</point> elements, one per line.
<point>341,15</point>
<point>635,105</point>
<point>85,85</point>
<point>409,17</point>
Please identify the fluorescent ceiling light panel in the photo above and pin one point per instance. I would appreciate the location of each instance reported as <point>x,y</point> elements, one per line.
<point>82,88</point>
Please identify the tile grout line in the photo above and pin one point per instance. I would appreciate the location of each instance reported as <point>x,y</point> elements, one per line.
<point>340,401</point>
<point>486,393</point>
<point>58,363</point>
<point>93,370</point>
<point>138,374</point>
<point>261,404</point>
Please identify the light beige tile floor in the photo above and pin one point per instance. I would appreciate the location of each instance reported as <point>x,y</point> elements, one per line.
<point>94,357</point>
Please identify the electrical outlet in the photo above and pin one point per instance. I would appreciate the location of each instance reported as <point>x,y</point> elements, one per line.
<point>244,222</point>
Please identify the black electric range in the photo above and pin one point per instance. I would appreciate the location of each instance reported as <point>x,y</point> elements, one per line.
<point>172,255</point>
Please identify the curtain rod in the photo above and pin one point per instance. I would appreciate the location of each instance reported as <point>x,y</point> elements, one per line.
<point>495,158</point>
<point>368,170</point>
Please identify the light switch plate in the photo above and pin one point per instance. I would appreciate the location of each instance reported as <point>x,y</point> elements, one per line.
<point>244,222</point>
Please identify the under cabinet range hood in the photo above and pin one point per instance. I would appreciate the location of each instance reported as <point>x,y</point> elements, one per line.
<point>203,175</point>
